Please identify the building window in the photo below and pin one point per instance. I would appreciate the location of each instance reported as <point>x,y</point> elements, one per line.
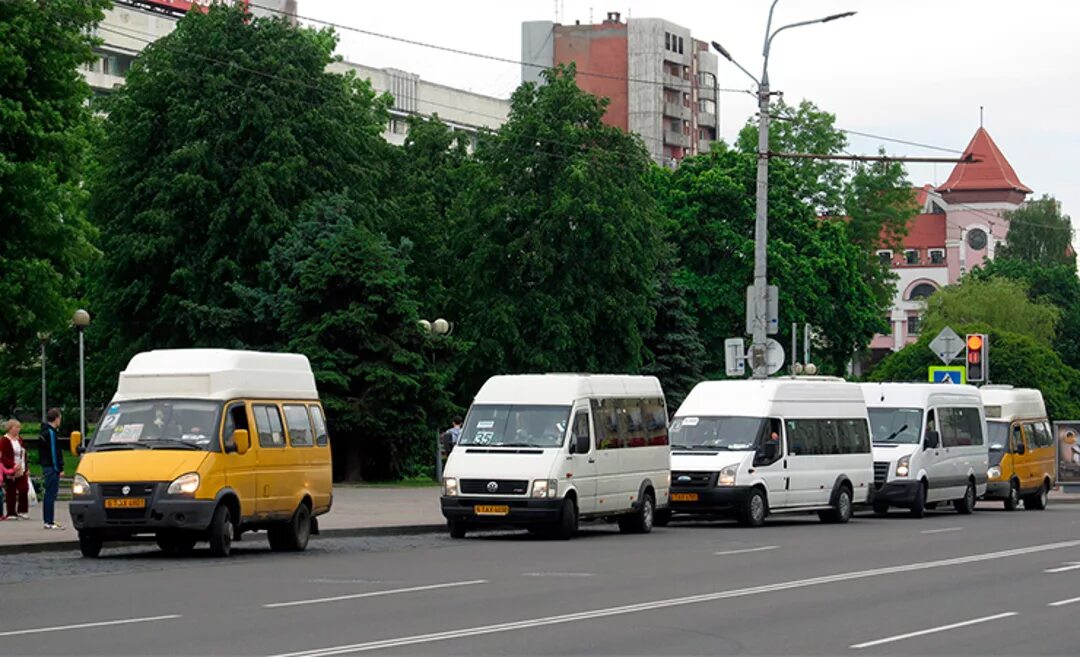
<point>686,100</point>
<point>885,257</point>
<point>976,239</point>
<point>921,291</point>
<point>680,45</point>
<point>675,125</point>
<point>937,256</point>
<point>667,40</point>
<point>911,256</point>
<point>913,325</point>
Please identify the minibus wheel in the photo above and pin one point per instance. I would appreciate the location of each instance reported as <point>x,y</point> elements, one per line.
<point>1037,501</point>
<point>292,536</point>
<point>1013,500</point>
<point>89,544</point>
<point>918,505</point>
<point>881,508</point>
<point>457,527</point>
<point>568,521</point>
<point>753,512</point>
<point>966,504</point>
<point>640,522</point>
<point>221,532</point>
<point>841,512</point>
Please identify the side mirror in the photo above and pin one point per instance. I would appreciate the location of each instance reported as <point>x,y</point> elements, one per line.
<point>76,443</point>
<point>242,440</point>
<point>933,440</point>
<point>1019,448</point>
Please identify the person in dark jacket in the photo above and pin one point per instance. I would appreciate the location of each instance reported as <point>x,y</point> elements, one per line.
<point>51,457</point>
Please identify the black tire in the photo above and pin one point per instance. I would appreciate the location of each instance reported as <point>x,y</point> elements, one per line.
<point>966,504</point>
<point>1038,501</point>
<point>841,511</point>
<point>1013,500</point>
<point>175,544</point>
<point>642,521</point>
<point>918,506</point>
<point>293,535</point>
<point>89,544</point>
<point>881,508</point>
<point>662,518</point>
<point>221,532</point>
<point>567,525</point>
<point>754,510</point>
<point>456,527</point>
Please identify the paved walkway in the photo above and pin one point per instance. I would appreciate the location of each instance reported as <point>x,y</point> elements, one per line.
<point>356,508</point>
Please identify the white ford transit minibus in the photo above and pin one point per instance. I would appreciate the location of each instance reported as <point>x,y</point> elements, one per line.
<point>929,445</point>
<point>545,450</point>
<point>751,448</point>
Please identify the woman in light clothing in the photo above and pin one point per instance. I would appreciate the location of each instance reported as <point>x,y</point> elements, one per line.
<point>16,473</point>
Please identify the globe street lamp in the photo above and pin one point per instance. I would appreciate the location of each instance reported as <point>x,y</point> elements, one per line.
<point>439,327</point>
<point>81,319</point>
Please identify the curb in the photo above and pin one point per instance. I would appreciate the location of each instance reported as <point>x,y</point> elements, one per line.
<point>345,532</point>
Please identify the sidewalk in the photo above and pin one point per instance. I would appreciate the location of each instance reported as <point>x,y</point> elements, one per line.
<point>356,510</point>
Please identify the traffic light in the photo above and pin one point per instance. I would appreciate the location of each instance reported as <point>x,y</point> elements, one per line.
<point>977,363</point>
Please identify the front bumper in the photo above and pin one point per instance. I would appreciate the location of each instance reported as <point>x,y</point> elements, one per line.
<point>161,512</point>
<point>997,490</point>
<point>897,493</point>
<point>710,500</point>
<point>520,510</point>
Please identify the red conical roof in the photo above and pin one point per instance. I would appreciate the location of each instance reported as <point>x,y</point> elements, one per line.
<point>992,173</point>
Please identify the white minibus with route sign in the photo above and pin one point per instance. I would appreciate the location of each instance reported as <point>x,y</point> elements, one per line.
<point>544,451</point>
<point>751,448</point>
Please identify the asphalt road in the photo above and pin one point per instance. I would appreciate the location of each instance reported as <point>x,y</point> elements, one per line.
<point>944,585</point>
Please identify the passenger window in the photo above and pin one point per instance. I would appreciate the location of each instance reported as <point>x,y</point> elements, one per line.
<point>235,418</point>
<point>321,438</point>
<point>299,425</point>
<point>635,423</point>
<point>656,424</point>
<point>268,422</point>
<point>1043,436</point>
<point>1031,435</point>
<point>607,424</point>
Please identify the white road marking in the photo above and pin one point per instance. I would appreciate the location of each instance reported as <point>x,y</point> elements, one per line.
<point>80,626</point>
<point>672,602</point>
<point>941,531</point>
<point>558,574</point>
<point>1070,565</point>
<point>757,549</point>
<point>1062,603</point>
<point>932,630</point>
<point>373,594</point>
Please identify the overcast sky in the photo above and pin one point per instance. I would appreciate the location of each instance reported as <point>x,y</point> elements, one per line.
<point>910,69</point>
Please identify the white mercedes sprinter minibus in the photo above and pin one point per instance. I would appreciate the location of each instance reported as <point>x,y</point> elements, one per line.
<point>544,451</point>
<point>929,445</point>
<point>751,448</point>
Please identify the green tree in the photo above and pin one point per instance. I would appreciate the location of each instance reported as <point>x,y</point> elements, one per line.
<point>341,294</point>
<point>1015,359</point>
<point>556,262</point>
<point>45,126</point>
<point>676,353</point>
<point>1039,233</point>
<point>997,302</point>
<point>224,130</point>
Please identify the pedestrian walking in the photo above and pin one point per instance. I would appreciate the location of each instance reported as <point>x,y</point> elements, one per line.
<point>450,436</point>
<point>51,457</point>
<point>16,472</point>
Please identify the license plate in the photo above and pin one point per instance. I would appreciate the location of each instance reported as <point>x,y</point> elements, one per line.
<point>125,503</point>
<point>684,497</point>
<point>491,509</point>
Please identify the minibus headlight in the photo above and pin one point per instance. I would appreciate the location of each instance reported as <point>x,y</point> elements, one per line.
<point>449,487</point>
<point>994,472</point>
<point>903,466</point>
<point>545,488</point>
<point>185,484</point>
<point>727,476</point>
<point>80,487</point>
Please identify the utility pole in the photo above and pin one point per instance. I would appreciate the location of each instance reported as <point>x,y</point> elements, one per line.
<point>759,293</point>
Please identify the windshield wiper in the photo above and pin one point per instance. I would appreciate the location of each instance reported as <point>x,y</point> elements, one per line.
<point>113,446</point>
<point>515,445</point>
<point>172,442</point>
<point>895,433</point>
<point>674,446</point>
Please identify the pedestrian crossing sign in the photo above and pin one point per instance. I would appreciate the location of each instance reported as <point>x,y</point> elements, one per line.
<point>948,374</point>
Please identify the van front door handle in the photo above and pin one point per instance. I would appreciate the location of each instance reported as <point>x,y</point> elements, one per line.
<point>592,460</point>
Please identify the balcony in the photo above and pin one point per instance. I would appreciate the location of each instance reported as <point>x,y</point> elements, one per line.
<point>102,81</point>
<point>677,110</point>
<point>704,145</point>
<point>676,82</point>
<point>673,138</point>
<point>706,119</point>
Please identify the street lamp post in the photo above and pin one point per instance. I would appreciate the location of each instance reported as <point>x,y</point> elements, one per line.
<point>43,338</point>
<point>81,319</point>
<point>439,327</point>
<point>760,304</point>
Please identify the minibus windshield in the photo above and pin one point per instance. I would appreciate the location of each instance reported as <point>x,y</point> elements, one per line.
<point>998,434</point>
<point>896,425</point>
<point>516,425</point>
<point>182,424</point>
<point>725,433</point>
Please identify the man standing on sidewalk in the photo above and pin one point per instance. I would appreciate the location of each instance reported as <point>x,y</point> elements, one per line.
<point>51,456</point>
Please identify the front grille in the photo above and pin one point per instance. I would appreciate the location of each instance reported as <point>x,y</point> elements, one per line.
<point>502,486</point>
<point>881,473</point>
<point>696,479</point>
<point>136,490</point>
<point>129,515</point>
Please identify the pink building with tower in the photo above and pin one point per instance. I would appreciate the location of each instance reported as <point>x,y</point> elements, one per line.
<point>961,224</point>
